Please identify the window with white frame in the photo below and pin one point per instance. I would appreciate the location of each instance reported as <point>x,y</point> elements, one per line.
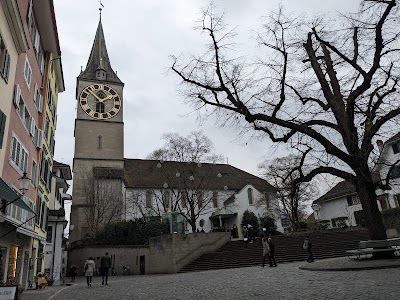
<point>19,154</point>
<point>353,200</point>
<point>46,128</point>
<point>5,60</point>
<point>27,120</point>
<point>38,99</point>
<point>250,195</point>
<point>149,199</point>
<point>27,71</point>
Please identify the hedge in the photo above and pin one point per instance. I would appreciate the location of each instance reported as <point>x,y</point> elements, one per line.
<point>391,217</point>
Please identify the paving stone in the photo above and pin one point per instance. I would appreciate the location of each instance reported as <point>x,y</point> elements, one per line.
<point>286,281</point>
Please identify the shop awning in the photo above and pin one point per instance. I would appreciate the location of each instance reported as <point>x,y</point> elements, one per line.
<point>8,194</point>
<point>31,234</point>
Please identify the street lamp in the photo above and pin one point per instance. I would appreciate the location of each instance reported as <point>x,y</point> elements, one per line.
<point>24,183</point>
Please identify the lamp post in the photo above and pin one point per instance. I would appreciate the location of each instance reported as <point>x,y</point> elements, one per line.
<point>23,187</point>
<point>24,183</point>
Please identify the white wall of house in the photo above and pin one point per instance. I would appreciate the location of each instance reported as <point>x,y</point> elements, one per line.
<point>387,158</point>
<point>53,260</point>
<point>337,208</point>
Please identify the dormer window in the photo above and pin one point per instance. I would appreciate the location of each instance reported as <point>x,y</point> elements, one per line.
<point>101,75</point>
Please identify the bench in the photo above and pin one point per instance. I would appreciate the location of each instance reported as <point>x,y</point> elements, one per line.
<point>375,246</point>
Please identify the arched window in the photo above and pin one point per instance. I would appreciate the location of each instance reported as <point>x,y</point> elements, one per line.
<point>165,199</point>
<point>250,195</point>
<point>149,199</point>
<point>99,142</point>
<point>99,107</point>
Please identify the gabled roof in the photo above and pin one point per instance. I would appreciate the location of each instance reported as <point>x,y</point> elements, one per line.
<point>342,189</point>
<point>393,138</point>
<point>98,59</point>
<point>65,169</point>
<point>151,174</point>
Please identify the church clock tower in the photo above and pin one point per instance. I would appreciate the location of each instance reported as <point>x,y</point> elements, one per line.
<point>99,134</point>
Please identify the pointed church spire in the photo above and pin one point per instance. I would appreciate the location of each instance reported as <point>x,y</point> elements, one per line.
<point>99,61</point>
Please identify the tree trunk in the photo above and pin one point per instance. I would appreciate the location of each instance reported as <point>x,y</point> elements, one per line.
<point>373,217</point>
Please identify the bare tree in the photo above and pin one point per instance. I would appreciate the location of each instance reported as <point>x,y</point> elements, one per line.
<point>103,202</point>
<point>294,196</point>
<point>187,175</point>
<point>327,89</point>
<point>195,147</point>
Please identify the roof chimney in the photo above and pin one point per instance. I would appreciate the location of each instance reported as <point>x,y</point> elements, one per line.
<point>380,145</point>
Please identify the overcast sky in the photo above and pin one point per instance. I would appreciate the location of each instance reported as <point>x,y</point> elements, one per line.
<point>140,37</point>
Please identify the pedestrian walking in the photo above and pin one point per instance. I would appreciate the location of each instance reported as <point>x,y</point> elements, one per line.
<point>105,265</point>
<point>245,235</point>
<point>271,254</point>
<point>73,270</point>
<point>250,233</point>
<point>265,249</point>
<point>89,270</point>
<point>307,245</point>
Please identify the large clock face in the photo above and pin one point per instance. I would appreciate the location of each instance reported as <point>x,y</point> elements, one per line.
<point>100,101</point>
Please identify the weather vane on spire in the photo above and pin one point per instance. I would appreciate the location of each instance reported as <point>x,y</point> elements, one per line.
<point>101,8</point>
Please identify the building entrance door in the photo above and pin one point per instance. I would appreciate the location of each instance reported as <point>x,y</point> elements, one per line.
<point>142,265</point>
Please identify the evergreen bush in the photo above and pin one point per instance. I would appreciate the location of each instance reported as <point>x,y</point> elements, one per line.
<point>250,218</point>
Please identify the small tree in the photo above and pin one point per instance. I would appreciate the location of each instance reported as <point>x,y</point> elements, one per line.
<point>250,218</point>
<point>294,196</point>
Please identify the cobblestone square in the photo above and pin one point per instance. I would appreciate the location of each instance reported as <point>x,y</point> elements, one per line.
<point>286,281</point>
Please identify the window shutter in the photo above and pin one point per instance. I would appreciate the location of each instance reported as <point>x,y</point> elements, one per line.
<point>40,139</point>
<point>3,119</point>
<point>33,125</point>
<point>40,106</point>
<point>6,70</point>
<point>17,95</point>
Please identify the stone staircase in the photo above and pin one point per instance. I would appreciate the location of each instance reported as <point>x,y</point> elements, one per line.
<point>235,254</point>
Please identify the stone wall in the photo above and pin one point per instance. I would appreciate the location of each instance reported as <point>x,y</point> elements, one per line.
<point>164,254</point>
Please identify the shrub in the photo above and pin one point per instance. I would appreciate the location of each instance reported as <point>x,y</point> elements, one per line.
<point>391,217</point>
<point>133,232</point>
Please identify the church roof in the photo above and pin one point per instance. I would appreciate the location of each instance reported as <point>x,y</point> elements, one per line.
<point>98,59</point>
<point>151,174</point>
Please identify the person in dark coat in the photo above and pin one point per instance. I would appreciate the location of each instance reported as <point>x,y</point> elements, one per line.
<point>105,264</point>
<point>73,270</point>
<point>271,254</point>
<point>307,245</point>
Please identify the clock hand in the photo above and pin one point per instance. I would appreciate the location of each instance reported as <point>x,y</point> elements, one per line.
<point>94,94</point>
<point>108,97</point>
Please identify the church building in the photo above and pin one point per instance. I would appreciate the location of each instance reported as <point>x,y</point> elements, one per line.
<point>108,187</point>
